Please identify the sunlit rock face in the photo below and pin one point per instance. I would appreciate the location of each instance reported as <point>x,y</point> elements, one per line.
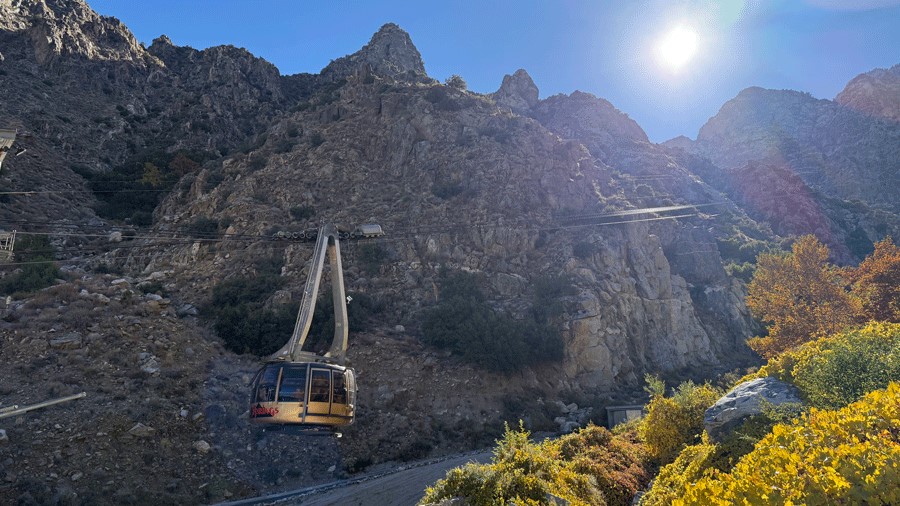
<point>836,150</point>
<point>518,93</point>
<point>604,130</point>
<point>806,165</point>
<point>55,28</point>
<point>390,53</point>
<point>875,93</point>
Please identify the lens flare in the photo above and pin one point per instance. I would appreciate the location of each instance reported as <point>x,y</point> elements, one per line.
<point>677,47</point>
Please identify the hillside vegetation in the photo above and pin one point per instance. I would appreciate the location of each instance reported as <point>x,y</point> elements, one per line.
<point>842,442</point>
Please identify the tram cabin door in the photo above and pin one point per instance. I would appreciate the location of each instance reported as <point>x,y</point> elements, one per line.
<point>330,395</point>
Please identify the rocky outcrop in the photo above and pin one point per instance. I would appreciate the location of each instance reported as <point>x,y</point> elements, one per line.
<point>875,93</point>
<point>517,93</point>
<point>835,150</point>
<point>744,401</point>
<point>390,53</point>
<point>603,129</point>
<point>58,28</point>
<point>680,142</point>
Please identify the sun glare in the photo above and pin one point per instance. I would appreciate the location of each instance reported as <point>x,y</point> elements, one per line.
<point>677,47</point>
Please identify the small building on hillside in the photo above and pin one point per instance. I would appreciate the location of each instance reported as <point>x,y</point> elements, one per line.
<point>621,414</point>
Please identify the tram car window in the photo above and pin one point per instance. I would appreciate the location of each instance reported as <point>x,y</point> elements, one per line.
<point>293,384</point>
<point>339,388</point>
<point>268,382</point>
<point>321,386</point>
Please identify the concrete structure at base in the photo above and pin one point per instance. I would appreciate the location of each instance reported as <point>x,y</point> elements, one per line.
<point>621,414</point>
<point>7,137</point>
<point>7,243</point>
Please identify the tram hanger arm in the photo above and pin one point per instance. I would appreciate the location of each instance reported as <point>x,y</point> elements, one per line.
<point>327,244</point>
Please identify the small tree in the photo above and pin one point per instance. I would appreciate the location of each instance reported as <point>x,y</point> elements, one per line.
<point>877,283</point>
<point>457,82</point>
<point>800,296</point>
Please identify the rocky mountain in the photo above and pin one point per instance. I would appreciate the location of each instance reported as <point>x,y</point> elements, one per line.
<point>175,167</point>
<point>804,165</point>
<point>875,93</point>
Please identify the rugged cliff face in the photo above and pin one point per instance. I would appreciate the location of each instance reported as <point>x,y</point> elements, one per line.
<point>876,93</point>
<point>805,165</point>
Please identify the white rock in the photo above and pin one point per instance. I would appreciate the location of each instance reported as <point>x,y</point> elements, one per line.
<point>744,401</point>
<point>141,431</point>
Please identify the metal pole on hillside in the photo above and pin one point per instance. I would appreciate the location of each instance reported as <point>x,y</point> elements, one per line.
<point>16,410</point>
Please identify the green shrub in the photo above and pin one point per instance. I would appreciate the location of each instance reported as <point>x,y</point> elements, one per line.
<point>246,328</point>
<point>132,191</point>
<point>316,139</point>
<point>583,250</point>
<point>372,257</point>
<point>456,82</point>
<point>360,312</point>
<point>38,270</point>
<point>256,162</point>
<point>617,462</point>
<point>835,371</point>
<point>743,271</point>
<point>589,467</point>
<point>674,422</point>
<point>693,463</point>
<point>154,287</point>
<point>521,472</point>
<point>239,318</point>
<point>302,212</point>
<point>204,227</point>
<point>465,324</point>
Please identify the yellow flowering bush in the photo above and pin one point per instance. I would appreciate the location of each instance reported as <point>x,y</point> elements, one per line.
<point>693,463</point>
<point>674,422</point>
<point>589,467</point>
<point>849,455</point>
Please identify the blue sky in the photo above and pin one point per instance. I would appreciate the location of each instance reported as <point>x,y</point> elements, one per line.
<point>604,48</point>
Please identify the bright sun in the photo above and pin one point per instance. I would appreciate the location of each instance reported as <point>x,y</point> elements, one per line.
<point>677,47</point>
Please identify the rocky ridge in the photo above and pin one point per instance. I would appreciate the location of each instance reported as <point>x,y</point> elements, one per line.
<point>876,93</point>
<point>832,167</point>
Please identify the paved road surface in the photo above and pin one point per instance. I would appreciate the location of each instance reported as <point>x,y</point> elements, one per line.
<point>398,488</point>
<point>404,488</point>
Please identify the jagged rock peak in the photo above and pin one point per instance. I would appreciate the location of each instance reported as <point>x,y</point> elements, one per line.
<point>875,93</point>
<point>390,53</point>
<point>517,92</point>
<point>584,116</point>
<point>681,141</point>
<point>69,27</point>
<point>162,40</point>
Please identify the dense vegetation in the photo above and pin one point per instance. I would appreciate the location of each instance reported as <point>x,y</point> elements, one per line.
<point>843,444</point>
<point>590,467</point>
<point>131,191</point>
<point>464,323</point>
<point>802,297</point>
<point>242,319</point>
<point>824,457</point>
<point>38,268</point>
